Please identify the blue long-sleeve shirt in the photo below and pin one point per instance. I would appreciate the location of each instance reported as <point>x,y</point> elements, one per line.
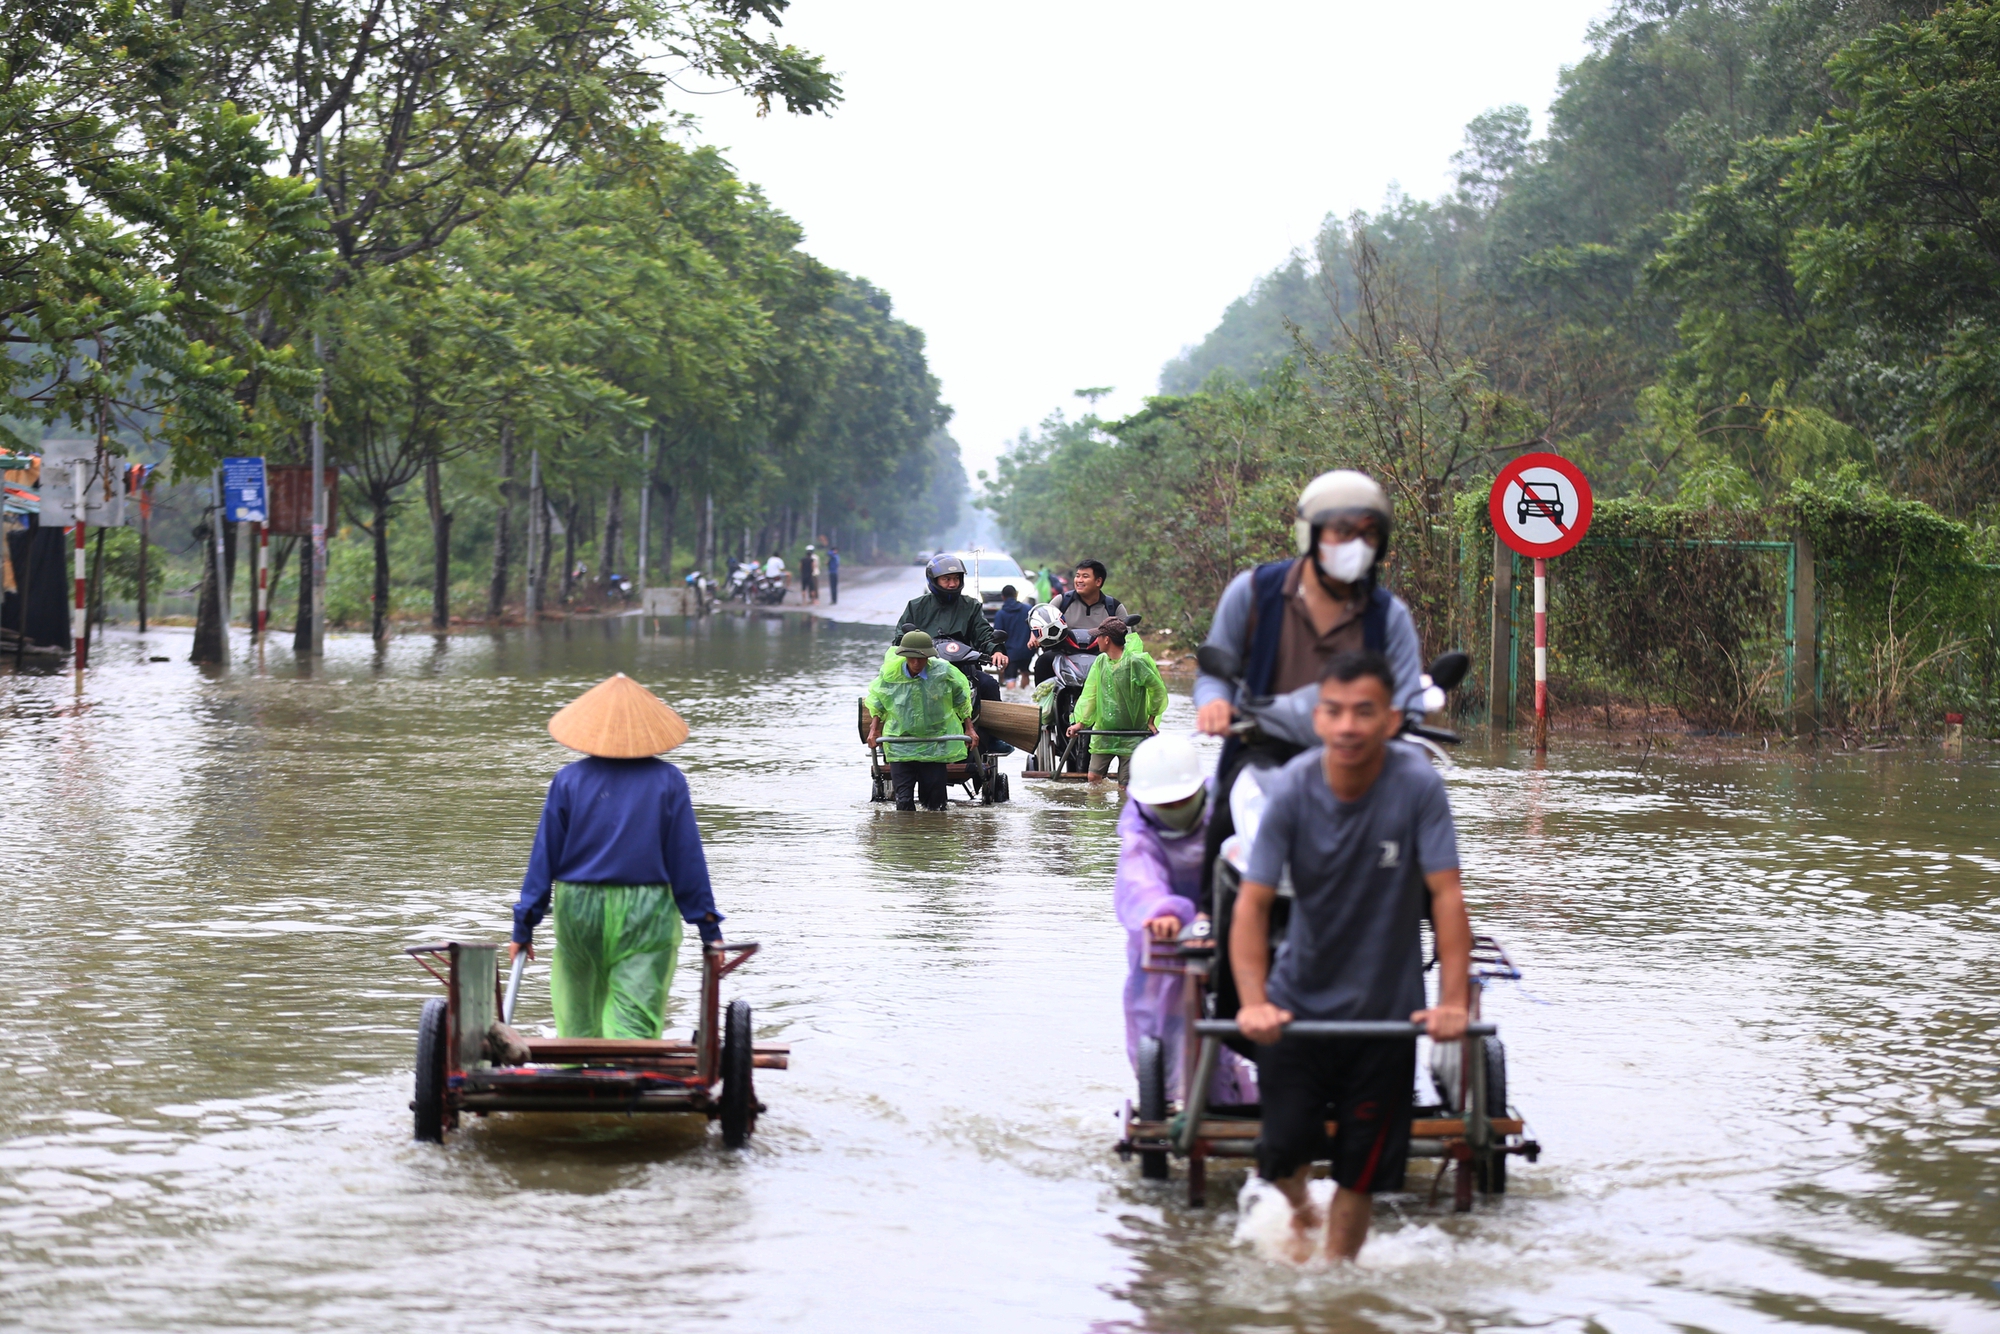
<point>618,822</point>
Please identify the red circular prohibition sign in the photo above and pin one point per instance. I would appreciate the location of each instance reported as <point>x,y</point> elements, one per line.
<point>1522,500</point>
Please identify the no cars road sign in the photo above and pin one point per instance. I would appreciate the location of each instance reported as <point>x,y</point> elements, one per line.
<point>1541,505</point>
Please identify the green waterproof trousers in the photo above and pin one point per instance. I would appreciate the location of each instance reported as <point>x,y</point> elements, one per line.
<point>616,947</point>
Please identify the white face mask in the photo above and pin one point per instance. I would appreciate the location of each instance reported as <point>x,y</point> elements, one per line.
<point>1346,562</point>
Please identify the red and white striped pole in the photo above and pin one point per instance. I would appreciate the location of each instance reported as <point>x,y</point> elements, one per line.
<point>263,576</point>
<point>1541,653</point>
<point>79,618</point>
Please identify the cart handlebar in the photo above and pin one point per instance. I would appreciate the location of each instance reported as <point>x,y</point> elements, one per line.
<point>1341,1028</point>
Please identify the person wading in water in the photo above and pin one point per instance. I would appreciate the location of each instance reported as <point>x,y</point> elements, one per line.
<point>1366,831</point>
<point>620,859</point>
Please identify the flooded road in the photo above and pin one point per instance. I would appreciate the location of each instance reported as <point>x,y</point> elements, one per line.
<point>1755,1035</point>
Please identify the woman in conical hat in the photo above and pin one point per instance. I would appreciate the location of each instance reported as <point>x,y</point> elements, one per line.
<point>619,858</point>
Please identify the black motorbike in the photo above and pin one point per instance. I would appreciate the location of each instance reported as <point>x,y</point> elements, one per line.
<point>1057,752</point>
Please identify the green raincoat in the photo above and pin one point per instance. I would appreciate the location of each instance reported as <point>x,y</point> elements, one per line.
<point>934,704</point>
<point>1123,696</point>
<point>616,947</point>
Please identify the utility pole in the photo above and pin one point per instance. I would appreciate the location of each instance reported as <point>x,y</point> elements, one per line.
<point>320,517</point>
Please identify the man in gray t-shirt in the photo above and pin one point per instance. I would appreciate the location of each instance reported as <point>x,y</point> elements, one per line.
<point>1365,828</point>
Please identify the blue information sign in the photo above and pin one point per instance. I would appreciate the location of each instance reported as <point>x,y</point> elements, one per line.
<point>245,498</point>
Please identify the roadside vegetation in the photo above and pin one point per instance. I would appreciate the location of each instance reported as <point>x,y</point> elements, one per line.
<point>1747,279</point>
<point>457,236</point>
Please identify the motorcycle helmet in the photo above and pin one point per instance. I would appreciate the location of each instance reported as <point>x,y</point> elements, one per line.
<point>1165,769</point>
<point>1342,493</point>
<point>941,565</point>
<point>1046,620</point>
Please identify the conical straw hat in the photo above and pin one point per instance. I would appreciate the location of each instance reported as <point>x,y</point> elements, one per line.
<point>618,719</point>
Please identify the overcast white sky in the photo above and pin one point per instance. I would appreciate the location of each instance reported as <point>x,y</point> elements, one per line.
<point>1065,194</point>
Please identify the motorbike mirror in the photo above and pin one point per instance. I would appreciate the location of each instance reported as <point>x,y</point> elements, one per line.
<point>1133,621</point>
<point>1218,661</point>
<point>1449,668</point>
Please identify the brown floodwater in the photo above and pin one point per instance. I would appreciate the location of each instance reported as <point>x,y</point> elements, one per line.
<point>1755,1035</point>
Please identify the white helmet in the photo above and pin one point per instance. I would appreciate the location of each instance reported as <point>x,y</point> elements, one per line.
<point>1045,617</point>
<point>1341,492</point>
<point>1165,769</point>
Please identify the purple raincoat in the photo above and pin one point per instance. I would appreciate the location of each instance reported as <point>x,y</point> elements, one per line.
<point>1158,874</point>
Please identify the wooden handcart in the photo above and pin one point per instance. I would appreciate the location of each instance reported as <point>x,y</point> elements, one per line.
<point>469,1061</point>
<point>1471,1130</point>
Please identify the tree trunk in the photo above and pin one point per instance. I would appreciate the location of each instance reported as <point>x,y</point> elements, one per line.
<point>96,612</point>
<point>503,527</point>
<point>380,626</point>
<point>569,551</point>
<point>209,643</point>
<point>440,546</point>
<point>670,499</point>
<point>704,537</point>
<point>228,569</point>
<point>610,554</point>
<point>302,626</point>
<point>544,553</point>
<point>279,561</point>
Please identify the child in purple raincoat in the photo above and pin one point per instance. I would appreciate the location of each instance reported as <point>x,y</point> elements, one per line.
<point>1160,837</point>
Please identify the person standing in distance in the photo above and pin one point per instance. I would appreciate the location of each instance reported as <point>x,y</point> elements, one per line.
<point>1010,622</point>
<point>833,575</point>
<point>809,576</point>
<point>1366,831</point>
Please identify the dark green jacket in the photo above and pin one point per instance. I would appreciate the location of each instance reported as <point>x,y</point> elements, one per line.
<point>950,620</point>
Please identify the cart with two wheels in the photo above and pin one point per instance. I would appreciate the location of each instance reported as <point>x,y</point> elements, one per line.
<point>1468,1126</point>
<point>981,778</point>
<point>470,1061</point>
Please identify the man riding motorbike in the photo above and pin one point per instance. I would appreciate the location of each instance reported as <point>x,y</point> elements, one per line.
<point>1087,606</point>
<point>946,611</point>
<point>1286,619</point>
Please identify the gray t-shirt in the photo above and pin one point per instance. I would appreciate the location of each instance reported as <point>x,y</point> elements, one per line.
<point>1353,949</point>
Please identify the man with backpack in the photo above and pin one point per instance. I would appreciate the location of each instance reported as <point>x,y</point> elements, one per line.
<point>1087,606</point>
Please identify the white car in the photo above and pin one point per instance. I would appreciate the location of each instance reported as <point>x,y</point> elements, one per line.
<point>987,572</point>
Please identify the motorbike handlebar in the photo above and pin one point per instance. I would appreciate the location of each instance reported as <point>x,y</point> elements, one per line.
<point>1341,1028</point>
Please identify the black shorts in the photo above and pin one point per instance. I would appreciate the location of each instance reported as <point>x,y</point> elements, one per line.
<point>1364,1086</point>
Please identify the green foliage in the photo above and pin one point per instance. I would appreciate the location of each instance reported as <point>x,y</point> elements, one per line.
<point>121,566</point>
<point>144,236</point>
<point>1912,608</point>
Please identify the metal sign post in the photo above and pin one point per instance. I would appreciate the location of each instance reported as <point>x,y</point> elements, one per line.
<point>247,499</point>
<point>1540,507</point>
<point>79,623</point>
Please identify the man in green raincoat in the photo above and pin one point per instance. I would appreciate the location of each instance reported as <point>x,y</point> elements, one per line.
<point>1123,693</point>
<point>919,694</point>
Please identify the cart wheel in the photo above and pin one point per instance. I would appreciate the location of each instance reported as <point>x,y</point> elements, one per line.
<point>1492,1173</point>
<point>739,1096</point>
<point>1152,1103</point>
<point>429,1102</point>
<point>1006,793</point>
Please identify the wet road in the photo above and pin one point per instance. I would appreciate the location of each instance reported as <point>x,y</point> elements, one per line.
<point>1754,1035</point>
